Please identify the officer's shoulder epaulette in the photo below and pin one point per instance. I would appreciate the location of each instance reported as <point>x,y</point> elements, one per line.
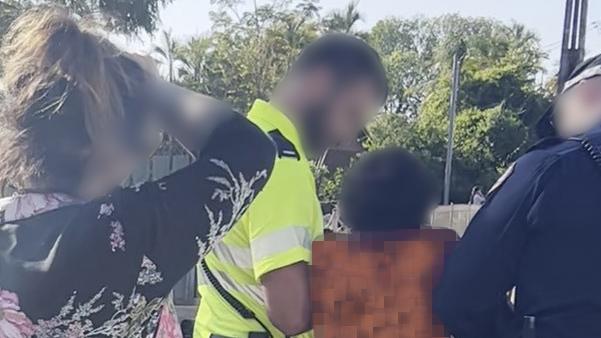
<point>284,146</point>
<point>545,143</point>
<point>548,153</point>
<point>555,146</point>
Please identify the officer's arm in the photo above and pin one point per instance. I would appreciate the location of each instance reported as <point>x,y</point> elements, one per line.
<point>284,221</point>
<point>471,297</point>
<point>288,298</point>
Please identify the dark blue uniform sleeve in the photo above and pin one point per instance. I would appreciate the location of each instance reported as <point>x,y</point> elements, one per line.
<point>471,297</point>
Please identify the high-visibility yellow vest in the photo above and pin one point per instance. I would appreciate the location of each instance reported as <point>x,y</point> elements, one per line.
<point>276,231</point>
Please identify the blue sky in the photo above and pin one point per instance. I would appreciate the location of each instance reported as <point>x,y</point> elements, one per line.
<point>189,17</point>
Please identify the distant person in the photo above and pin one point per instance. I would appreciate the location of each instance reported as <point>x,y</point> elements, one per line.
<point>378,281</point>
<point>79,255</point>
<point>255,283</point>
<point>539,231</point>
<point>477,197</point>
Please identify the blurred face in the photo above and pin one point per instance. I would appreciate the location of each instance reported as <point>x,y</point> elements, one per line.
<point>350,112</point>
<point>579,109</point>
<point>114,159</point>
<point>337,113</point>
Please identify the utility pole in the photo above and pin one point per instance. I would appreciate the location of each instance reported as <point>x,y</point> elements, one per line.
<point>457,62</point>
<point>574,34</point>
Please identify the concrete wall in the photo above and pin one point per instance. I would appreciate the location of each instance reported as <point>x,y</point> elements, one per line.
<point>454,216</point>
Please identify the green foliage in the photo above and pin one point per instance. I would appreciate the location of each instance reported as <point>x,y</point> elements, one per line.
<point>498,104</point>
<point>248,50</point>
<point>486,142</point>
<point>125,16</point>
<point>343,21</point>
<point>193,56</point>
<point>416,52</point>
<point>167,54</point>
<point>407,48</point>
<point>328,183</point>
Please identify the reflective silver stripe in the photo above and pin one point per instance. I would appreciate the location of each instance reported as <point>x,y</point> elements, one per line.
<point>280,241</point>
<point>240,257</point>
<point>253,291</point>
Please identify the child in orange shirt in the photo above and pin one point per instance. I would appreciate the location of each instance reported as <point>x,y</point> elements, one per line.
<point>378,281</point>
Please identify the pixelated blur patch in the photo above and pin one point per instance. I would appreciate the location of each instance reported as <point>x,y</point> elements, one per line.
<point>378,286</point>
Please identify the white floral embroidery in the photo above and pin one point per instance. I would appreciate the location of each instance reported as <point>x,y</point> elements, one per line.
<point>106,210</point>
<point>202,247</point>
<point>135,317</point>
<point>235,190</point>
<point>148,273</point>
<point>116,237</point>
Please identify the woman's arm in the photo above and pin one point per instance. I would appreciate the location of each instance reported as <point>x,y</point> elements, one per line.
<point>187,116</point>
<point>175,220</point>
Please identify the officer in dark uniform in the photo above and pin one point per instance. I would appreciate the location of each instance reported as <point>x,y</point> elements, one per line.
<point>539,231</point>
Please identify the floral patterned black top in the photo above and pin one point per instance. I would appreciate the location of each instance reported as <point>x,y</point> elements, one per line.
<point>104,268</point>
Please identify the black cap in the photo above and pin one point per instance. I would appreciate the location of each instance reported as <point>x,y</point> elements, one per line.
<point>585,70</point>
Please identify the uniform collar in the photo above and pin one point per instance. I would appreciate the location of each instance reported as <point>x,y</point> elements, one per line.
<point>271,118</point>
<point>545,143</point>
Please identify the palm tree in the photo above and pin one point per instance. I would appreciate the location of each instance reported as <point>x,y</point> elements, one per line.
<point>343,20</point>
<point>522,35</point>
<point>193,56</point>
<point>167,53</point>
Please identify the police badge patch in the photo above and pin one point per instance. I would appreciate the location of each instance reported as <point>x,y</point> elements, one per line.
<point>501,179</point>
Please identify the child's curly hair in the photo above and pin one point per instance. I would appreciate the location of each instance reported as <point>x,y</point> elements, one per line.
<point>387,190</point>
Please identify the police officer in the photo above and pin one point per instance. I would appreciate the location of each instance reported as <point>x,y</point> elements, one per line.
<point>539,231</point>
<point>255,281</point>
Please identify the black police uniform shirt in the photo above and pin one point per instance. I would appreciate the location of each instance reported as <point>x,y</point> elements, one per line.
<point>104,268</point>
<point>539,231</point>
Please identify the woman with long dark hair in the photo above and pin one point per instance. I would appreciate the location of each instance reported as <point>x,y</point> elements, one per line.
<point>79,255</point>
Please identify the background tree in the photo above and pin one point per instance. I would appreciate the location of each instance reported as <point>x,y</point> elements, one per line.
<point>125,16</point>
<point>166,53</point>
<point>499,98</point>
<point>407,48</point>
<point>249,48</point>
<point>193,55</point>
<point>343,20</point>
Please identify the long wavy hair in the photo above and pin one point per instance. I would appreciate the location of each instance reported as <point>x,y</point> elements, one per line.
<point>64,89</point>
